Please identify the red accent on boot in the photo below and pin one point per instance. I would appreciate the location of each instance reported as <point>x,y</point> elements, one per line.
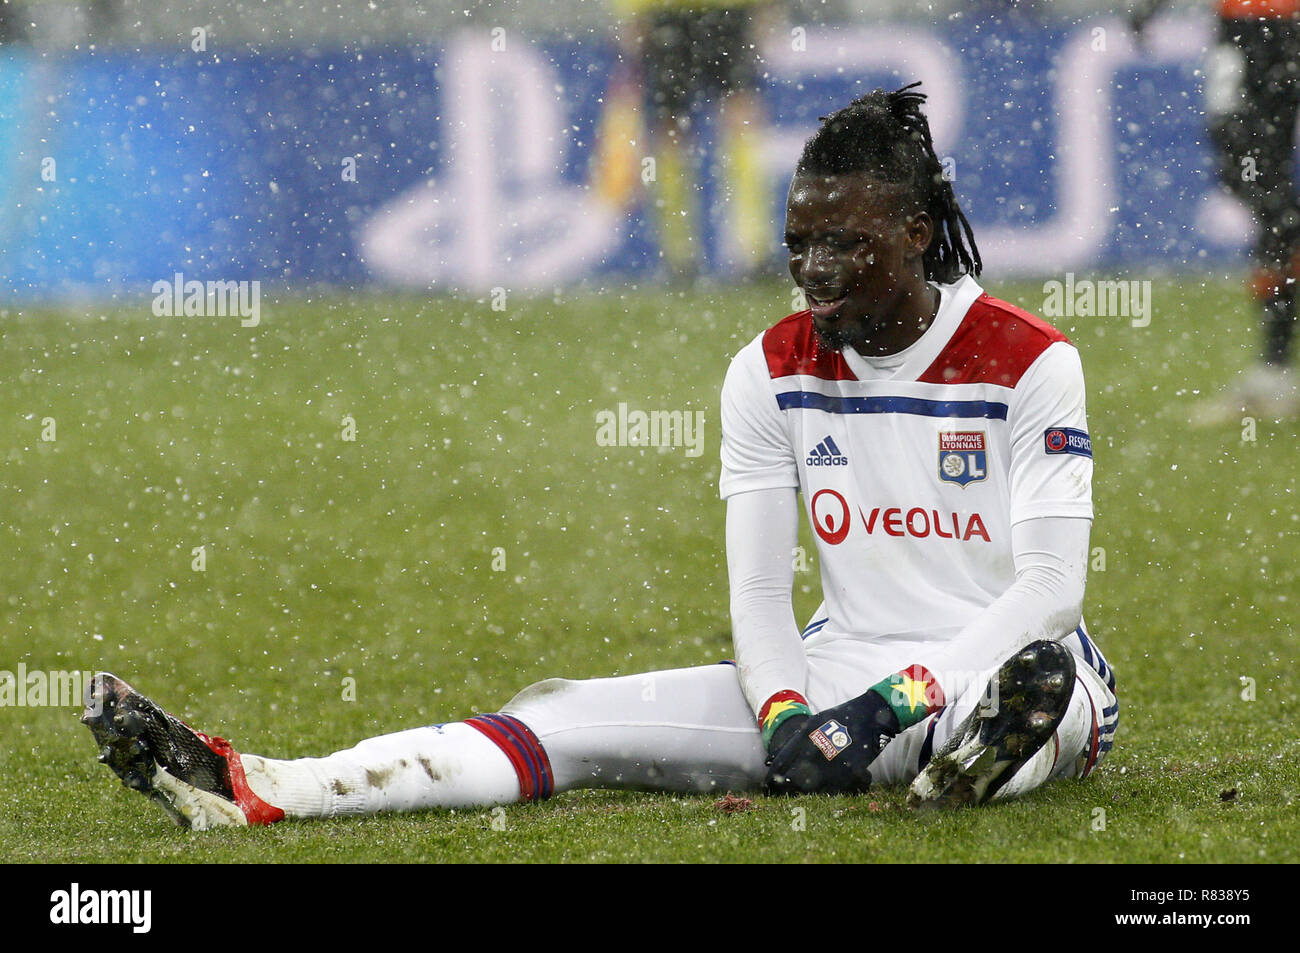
<point>255,809</point>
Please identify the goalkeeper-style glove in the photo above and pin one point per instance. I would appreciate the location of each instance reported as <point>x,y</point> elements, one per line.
<point>831,752</point>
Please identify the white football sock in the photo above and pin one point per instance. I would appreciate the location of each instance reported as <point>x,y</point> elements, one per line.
<point>447,766</point>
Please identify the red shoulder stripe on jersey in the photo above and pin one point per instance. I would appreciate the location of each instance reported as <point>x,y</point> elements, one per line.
<point>792,347</point>
<point>994,344</point>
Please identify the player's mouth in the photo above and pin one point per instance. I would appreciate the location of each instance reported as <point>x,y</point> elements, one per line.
<point>825,305</point>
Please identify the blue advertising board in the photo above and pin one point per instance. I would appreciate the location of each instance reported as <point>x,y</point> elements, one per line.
<point>460,166</point>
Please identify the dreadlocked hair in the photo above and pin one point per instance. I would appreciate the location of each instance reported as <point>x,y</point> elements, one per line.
<point>886,136</point>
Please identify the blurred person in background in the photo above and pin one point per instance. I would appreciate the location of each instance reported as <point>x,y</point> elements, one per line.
<point>679,57</point>
<point>1252,101</point>
<point>12,22</point>
<point>103,18</point>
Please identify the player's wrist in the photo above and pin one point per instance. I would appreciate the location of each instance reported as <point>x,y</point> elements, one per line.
<point>831,751</point>
<point>779,709</point>
<point>911,694</point>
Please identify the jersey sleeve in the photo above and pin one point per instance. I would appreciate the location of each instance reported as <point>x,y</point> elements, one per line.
<point>756,449</point>
<point>762,530</point>
<point>1045,601</point>
<point>1051,451</point>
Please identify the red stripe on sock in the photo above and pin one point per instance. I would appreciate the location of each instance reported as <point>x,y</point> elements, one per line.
<point>524,736</point>
<point>508,746</point>
<point>1094,746</point>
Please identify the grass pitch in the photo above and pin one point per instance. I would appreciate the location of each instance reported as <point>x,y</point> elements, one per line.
<point>372,559</point>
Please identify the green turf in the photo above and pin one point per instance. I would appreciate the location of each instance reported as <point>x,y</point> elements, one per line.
<point>372,560</point>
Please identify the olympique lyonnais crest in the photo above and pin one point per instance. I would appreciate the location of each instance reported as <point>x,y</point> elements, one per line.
<point>963,456</point>
<point>831,738</point>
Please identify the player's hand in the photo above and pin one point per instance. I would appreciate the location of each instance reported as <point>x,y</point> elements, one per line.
<point>787,730</point>
<point>830,752</point>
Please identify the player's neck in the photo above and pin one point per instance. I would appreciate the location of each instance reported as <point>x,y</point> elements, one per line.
<point>899,331</point>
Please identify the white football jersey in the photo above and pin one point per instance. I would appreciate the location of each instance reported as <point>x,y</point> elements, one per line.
<point>913,467</point>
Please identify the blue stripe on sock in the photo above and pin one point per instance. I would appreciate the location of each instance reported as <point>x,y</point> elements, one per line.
<point>1092,655</point>
<point>529,747</point>
<point>542,783</point>
<point>1086,646</point>
<point>927,746</point>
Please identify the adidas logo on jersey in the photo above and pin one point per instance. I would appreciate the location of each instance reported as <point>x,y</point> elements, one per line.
<point>826,454</point>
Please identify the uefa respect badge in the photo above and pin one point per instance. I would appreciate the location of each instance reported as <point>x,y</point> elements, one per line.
<point>1068,440</point>
<point>963,456</point>
<point>831,738</point>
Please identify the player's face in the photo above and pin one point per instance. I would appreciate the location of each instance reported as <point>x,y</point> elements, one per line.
<point>859,260</point>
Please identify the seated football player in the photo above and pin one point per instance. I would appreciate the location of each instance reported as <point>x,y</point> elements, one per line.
<point>938,440</point>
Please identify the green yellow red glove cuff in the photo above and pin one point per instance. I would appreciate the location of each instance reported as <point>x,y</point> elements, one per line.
<point>780,707</point>
<point>912,693</point>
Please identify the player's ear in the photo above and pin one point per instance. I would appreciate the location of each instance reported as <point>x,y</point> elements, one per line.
<point>919,229</point>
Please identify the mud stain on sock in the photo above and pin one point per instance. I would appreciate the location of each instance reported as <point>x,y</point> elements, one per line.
<point>378,777</point>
